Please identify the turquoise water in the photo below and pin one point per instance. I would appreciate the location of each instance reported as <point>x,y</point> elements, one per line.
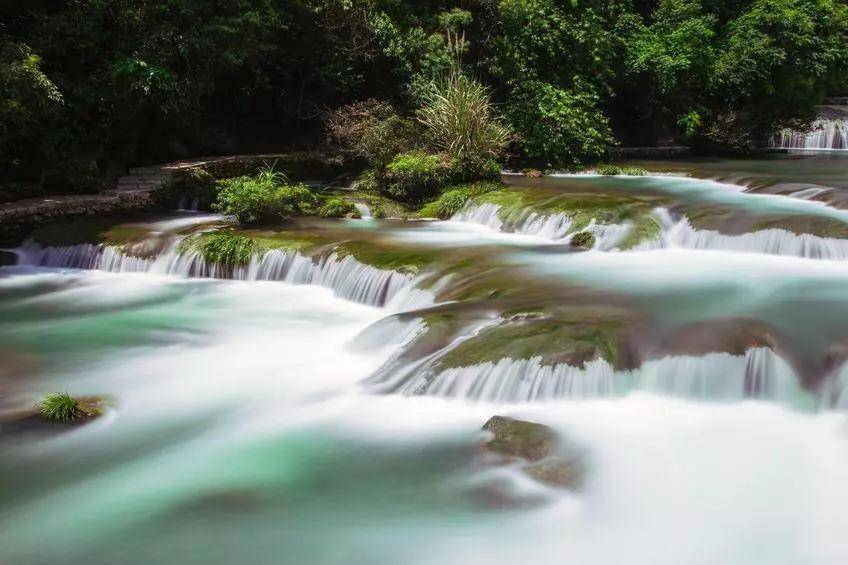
<point>242,428</point>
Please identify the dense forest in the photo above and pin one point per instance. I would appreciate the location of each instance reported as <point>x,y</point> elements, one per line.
<point>124,82</point>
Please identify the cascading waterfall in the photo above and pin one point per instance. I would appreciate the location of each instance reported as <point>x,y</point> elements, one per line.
<point>760,374</point>
<point>826,134</point>
<point>558,227</point>
<point>676,233</point>
<point>364,210</point>
<point>769,241</point>
<point>346,276</point>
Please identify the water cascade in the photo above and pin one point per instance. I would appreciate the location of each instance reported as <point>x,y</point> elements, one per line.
<point>768,241</point>
<point>558,227</point>
<point>364,211</point>
<point>346,276</point>
<point>826,134</point>
<point>760,374</point>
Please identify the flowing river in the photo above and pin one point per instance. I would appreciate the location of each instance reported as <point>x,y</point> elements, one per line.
<point>323,402</point>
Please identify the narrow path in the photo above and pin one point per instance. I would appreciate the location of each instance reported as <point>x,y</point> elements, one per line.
<point>137,191</point>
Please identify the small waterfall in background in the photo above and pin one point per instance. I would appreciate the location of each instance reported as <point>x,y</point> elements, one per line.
<point>346,276</point>
<point>759,374</point>
<point>364,211</point>
<point>828,133</point>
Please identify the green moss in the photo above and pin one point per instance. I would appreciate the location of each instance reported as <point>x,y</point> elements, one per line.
<point>404,260</point>
<point>573,340</point>
<point>113,231</point>
<point>286,240</point>
<point>643,230</point>
<point>454,198</point>
<point>583,239</point>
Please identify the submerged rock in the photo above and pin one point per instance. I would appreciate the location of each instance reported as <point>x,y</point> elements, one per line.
<point>547,458</point>
<point>517,438</point>
<point>33,421</point>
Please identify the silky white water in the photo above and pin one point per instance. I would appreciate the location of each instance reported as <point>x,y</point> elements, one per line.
<point>268,414</point>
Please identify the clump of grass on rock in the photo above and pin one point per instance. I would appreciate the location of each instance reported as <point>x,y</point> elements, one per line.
<point>60,407</point>
<point>264,198</point>
<point>224,248</point>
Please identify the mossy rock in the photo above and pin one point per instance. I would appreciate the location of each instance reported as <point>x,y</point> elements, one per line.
<point>552,461</point>
<point>517,438</point>
<point>405,260</point>
<point>584,239</point>
<point>574,335</point>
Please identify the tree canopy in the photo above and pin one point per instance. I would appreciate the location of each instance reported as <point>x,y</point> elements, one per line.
<point>143,81</point>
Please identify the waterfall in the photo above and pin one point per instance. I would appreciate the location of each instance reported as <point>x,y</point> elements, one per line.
<point>759,374</point>
<point>484,214</point>
<point>558,227</point>
<point>826,134</point>
<point>346,276</point>
<point>769,241</point>
<point>364,211</point>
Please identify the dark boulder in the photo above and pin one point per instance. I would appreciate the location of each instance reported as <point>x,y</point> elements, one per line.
<point>547,458</point>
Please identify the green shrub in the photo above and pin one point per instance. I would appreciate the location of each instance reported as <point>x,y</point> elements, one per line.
<point>460,121</point>
<point>264,198</point>
<point>223,248</point>
<point>562,128</point>
<point>60,407</point>
<point>372,130</point>
<point>336,207</point>
<point>609,170</point>
<point>415,176</point>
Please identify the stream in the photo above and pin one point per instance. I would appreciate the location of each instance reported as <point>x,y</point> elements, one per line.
<point>323,402</point>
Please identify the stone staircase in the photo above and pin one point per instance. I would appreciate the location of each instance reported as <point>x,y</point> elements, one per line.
<point>141,180</point>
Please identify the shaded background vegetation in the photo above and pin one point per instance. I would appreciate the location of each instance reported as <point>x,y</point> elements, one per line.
<point>108,83</point>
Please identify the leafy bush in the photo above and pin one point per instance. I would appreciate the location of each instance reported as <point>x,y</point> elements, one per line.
<point>60,407</point>
<point>223,248</point>
<point>417,176</point>
<point>460,121</point>
<point>336,207</point>
<point>264,198</point>
<point>372,130</point>
<point>561,127</point>
<point>412,177</point>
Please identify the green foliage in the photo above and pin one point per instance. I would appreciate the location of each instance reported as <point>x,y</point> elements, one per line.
<point>459,119</point>
<point>615,170</point>
<point>455,19</point>
<point>778,58</point>
<point>372,130</point>
<point>453,199</point>
<point>264,198</point>
<point>29,105</point>
<point>336,207</point>
<point>223,248</point>
<point>560,127</point>
<point>418,176</point>
<point>60,407</point>
<point>412,177</point>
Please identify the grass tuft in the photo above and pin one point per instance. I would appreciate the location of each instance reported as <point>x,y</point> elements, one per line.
<point>60,407</point>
